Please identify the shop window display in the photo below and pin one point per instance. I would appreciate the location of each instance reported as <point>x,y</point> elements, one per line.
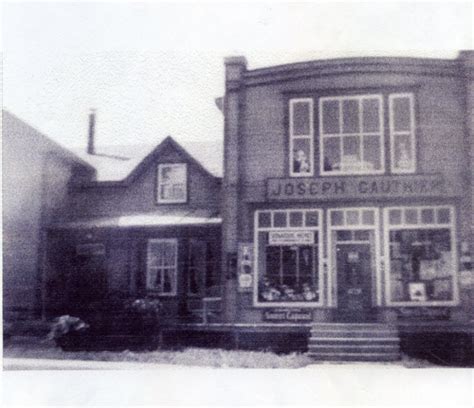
<point>422,259</point>
<point>288,259</point>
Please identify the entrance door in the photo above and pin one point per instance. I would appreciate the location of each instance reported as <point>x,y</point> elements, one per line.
<point>353,263</point>
<point>88,285</point>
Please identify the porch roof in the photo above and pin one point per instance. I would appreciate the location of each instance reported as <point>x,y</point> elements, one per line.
<point>142,220</point>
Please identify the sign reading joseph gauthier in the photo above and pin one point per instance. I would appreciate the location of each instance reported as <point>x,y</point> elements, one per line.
<point>424,185</point>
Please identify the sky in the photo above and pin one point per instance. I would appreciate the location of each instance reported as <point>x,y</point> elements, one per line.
<point>154,69</point>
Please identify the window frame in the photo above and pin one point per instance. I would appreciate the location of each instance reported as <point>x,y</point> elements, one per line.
<point>360,134</point>
<point>321,272</point>
<point>174,241</point>
<point>394,133</point>
<point>309,136</point>
<point>419,226</point>
<point>159,182</point>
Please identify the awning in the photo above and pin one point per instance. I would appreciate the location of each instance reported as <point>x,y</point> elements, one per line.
<point>141,220</point>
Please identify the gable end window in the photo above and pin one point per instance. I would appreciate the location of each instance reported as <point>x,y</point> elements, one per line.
<point>351,135</point>
<point>172,183</point>
<point>301,137</point>
<point>402,133</point>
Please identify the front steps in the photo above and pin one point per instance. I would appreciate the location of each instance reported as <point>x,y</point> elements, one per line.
<point>354,342</point>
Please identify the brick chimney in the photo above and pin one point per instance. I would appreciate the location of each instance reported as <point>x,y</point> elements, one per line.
<point>91,135</point>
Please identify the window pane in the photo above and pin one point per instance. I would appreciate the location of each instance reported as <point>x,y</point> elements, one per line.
<point>372,153</point>
<point>166,254</point>
<point>411,216</point>
<point>401,114</point>
<point>264,220</point>
<point>352,217</point>
<point>421,265</point>
<point>351,154</point>
<point>279,219</point>
<point>168,280</point>
<point>296,219</point>
<point>301,156</point>
<point>337,218</point>
<point>362,235</point>
<point>172,182</point>
<point>350,116</point>
<point>427,216</point>
<point>273,262</point>
<point>305,258</point>
<point>403,155</point>
<point>330,117</point>
<point>368,217</point>
<point>301,118</point>
<point>312,219</point>
<point>344,235</point>
<point>443,216</point>
<point>395,217</point>
<point>332,153</point>
<point>178,191</point>
<point>153,279</point>
<point>370,115</point>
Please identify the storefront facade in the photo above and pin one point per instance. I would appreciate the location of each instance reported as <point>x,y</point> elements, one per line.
<point>347,191</point>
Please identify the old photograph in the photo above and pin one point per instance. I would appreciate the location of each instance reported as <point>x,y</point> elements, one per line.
<point>237,186</point>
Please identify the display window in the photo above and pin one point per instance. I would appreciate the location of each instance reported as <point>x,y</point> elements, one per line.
<point>421,254</point>
<point>288,257</point>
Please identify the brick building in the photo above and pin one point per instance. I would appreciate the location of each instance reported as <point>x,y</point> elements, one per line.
<point>348,183</point>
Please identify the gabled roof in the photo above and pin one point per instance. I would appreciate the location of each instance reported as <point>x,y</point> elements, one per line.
<point>120,164</point>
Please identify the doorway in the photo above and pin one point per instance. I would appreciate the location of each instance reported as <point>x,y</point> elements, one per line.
<point>354,280</point>
<point>353,254</point>
<point>88,283</point>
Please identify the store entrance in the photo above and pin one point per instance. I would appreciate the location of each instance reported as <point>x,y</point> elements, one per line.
<point>354,277</point>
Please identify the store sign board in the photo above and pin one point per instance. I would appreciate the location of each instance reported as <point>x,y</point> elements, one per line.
<point>331,188</point>
<point>291,238</point>
<point>288,315</point>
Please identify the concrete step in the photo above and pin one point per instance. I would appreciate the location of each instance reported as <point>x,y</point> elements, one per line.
<point>355,333</point>
<point>361,348</point>
<point>353,326</point>
<point>353,341</point>
<point>347,356</point>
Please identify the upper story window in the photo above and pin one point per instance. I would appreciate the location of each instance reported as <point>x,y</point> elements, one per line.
<point>402,133</point>
<point>301,137</point>
<point>351,135</point>
<point>172,183</point>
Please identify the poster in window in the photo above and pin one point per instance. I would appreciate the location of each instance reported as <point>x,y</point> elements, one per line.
<point>417,292</point>
<point>245,266</point>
